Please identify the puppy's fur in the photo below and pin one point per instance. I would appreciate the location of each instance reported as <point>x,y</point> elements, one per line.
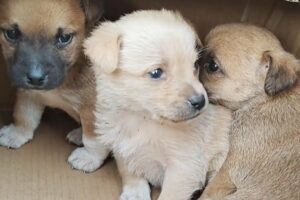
<point>36,51</point>
<point>149,122</point>
<point>246,69</point>
<point>43,38</point>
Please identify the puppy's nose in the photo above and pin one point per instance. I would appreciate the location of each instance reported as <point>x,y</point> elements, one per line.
<point>36,77</point>
<point>197,101</point>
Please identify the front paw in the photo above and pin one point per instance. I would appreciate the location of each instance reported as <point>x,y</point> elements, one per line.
<point>82,159</point>
<point>141,192</point>
<point>14,137</point>
<point>75,136</point>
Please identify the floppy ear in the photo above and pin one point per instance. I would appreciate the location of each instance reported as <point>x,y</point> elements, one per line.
<point>282,71</point>
<point>93,10</point>
<point>103,47</point>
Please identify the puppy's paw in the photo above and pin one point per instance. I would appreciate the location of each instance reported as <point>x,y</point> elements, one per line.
<point>82,159</point>
<point>140,192</point>
<point>14,137</point>
<point>75,136</point>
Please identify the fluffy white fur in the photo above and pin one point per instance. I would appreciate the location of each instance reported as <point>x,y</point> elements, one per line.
<point>149,125</point>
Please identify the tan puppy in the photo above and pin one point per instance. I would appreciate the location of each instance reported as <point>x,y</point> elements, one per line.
<point>149,97</point>
<point>41,41</point>
<point>247,70</point>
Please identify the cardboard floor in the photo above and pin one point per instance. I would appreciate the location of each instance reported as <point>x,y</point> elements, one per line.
<point>39,171</point>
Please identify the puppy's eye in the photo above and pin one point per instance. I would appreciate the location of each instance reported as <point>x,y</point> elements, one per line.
<point>212,67</point>
<point>12,35</point>
<point>156,74</point>
<point>64,39</point>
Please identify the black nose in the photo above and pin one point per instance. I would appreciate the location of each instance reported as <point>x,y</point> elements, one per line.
<point>36,77</point>
<point>198,102</point>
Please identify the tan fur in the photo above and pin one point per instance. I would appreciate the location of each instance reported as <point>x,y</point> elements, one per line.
<point>259,80</point>
<point>76,95</point>
<point>147,122</point>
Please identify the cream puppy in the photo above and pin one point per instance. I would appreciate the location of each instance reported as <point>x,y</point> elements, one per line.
<point>148,103</point>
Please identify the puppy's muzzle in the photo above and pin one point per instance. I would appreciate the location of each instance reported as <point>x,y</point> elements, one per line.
<point>37,64</point>
<point>36,77</point>
<point>197,102</point>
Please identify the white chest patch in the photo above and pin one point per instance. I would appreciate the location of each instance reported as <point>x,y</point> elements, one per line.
<point>146,146</point>
<point>138,142</point>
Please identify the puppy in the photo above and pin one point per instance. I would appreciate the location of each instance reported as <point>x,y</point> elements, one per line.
<point>246,69</point>
<point>41,41</point>
<point>148,101</point>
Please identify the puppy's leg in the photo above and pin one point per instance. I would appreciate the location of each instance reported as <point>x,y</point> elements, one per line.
<point>27,115</point>
<point>90,157</point>
<point>183,182</point>
<point>75,136</point>
<point>220,186</point>
<point>134,188</point>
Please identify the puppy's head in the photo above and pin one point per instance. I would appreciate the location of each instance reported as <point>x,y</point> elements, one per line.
<point>41,39</point>
<point>242,61</point>
<point>147,61</point>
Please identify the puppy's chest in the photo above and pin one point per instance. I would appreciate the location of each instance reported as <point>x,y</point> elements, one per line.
<point>144,158</point>
<point>141,145</point>
<point>64,100</point>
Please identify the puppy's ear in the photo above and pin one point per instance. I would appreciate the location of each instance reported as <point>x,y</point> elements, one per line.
<point>93,10</point>
<point>282,71</point>
<point>103,47</point>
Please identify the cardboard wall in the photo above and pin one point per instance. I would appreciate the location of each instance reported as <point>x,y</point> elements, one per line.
<point>281,17</point>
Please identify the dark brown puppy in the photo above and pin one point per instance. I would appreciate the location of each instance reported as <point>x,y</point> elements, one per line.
<point>41,42</point>
<point>246,69</point>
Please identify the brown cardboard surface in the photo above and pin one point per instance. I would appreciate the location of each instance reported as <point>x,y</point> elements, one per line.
<point>39,170</point>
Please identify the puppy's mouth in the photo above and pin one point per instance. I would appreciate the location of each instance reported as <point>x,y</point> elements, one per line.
<point>182,118</point>
<point>31,87</point>
<point>186,118</point>
<point>192,108</point>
